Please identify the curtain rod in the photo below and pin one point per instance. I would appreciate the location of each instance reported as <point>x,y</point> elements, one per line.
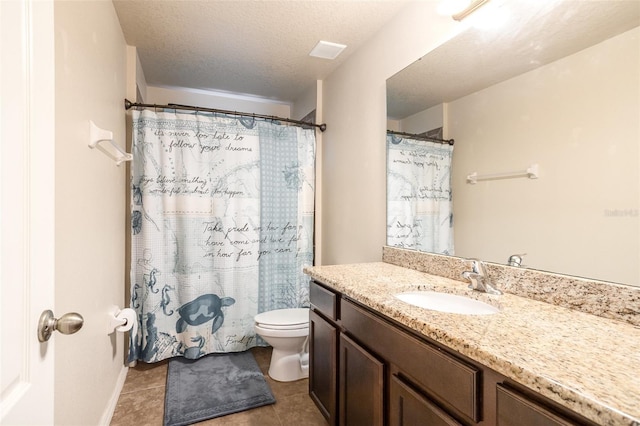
<point>422,137</point>
<point>128,105</point>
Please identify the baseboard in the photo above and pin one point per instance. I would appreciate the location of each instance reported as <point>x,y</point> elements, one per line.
<point>111,407</point>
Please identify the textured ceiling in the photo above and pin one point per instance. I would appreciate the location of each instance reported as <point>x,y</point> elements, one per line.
<point>258,48</point>
<point>537,33</point>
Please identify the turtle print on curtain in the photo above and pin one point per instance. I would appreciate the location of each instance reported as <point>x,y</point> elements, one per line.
<point>419,203</point>
<point>222,226</point>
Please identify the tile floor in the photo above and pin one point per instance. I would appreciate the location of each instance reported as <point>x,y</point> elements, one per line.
<point>141,401</point>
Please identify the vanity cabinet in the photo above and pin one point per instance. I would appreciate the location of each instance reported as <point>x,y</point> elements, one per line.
<point>323,364</point>
<point>435,378</point>
<point>323,350</point>
<point>366,369</point>
<point>361,387</point>
<point>408,406</point>
<point>517,409</point>
<point>346,381</point>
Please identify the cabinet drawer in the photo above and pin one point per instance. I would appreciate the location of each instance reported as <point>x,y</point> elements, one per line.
<point>449,381</point>
<point>407,407</point>
<point>324,300</point>
<point>515,409</point>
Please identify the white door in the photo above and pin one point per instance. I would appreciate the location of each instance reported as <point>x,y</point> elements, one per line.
<point>27,209</point>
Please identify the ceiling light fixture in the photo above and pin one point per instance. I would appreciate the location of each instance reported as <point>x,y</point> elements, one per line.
<point>475,5</point>
<point>327,50</point>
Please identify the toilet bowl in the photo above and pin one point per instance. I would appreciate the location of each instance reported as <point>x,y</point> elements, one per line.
<point>287,331</point>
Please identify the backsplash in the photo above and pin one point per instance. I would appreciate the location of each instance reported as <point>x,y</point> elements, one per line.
<point>608,300</point>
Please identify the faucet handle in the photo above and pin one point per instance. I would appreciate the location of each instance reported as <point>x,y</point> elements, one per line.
<point>479,278</point>
<point>477,266</point>
<point>515,259</point>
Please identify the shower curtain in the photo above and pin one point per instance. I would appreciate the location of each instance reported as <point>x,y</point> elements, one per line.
<point>222,226</point>
<point>419,204</point>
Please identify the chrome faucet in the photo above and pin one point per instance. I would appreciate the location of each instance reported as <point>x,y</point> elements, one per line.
<point>515,260</point>
<point>479,279</point>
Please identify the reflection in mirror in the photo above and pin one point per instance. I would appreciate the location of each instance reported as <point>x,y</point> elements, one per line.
<point>559,86</point>
<point>419,208</point>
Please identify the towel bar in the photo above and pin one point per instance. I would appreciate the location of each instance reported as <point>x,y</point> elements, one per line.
<point>98,135</point>
<point>531,173</point>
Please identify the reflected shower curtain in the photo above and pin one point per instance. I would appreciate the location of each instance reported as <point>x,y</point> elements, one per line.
<point>419,204</point>
<point>222,225</point>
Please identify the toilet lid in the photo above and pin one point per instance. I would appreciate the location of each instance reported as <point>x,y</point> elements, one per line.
<point>284,318</point>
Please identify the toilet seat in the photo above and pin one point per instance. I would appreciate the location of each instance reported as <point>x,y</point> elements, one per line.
<point>283,319</point>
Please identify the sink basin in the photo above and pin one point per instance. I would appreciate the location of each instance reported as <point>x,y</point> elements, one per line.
<point>445,302</point>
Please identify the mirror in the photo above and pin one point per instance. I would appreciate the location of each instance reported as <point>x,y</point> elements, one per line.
<point>558,86</point>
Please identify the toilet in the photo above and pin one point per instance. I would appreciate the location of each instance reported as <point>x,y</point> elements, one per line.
<point>287,331</point>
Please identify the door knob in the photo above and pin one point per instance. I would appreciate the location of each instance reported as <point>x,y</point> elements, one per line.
<point>67,324</point>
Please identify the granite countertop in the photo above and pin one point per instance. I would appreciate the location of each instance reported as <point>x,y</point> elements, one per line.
<point>587,363</point>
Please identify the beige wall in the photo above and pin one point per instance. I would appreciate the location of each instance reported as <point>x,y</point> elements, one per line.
<point>577,118</point>
<point>305,103</point>
<point>136,82</point>
<point>423,121</point>
<point>90,54</point>
<point>203,98</point>
<point>353,198</point>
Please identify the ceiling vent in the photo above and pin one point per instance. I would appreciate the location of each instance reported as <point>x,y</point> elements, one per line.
<point>327,50</point>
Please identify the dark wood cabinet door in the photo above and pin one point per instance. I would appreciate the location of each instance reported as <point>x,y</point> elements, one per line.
<point>361,386</point>
<point>409,408</point>
<point>323,357</point>
<point>515,409</point>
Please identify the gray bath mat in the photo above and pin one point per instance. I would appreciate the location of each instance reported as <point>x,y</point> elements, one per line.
<point>213,386</point>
